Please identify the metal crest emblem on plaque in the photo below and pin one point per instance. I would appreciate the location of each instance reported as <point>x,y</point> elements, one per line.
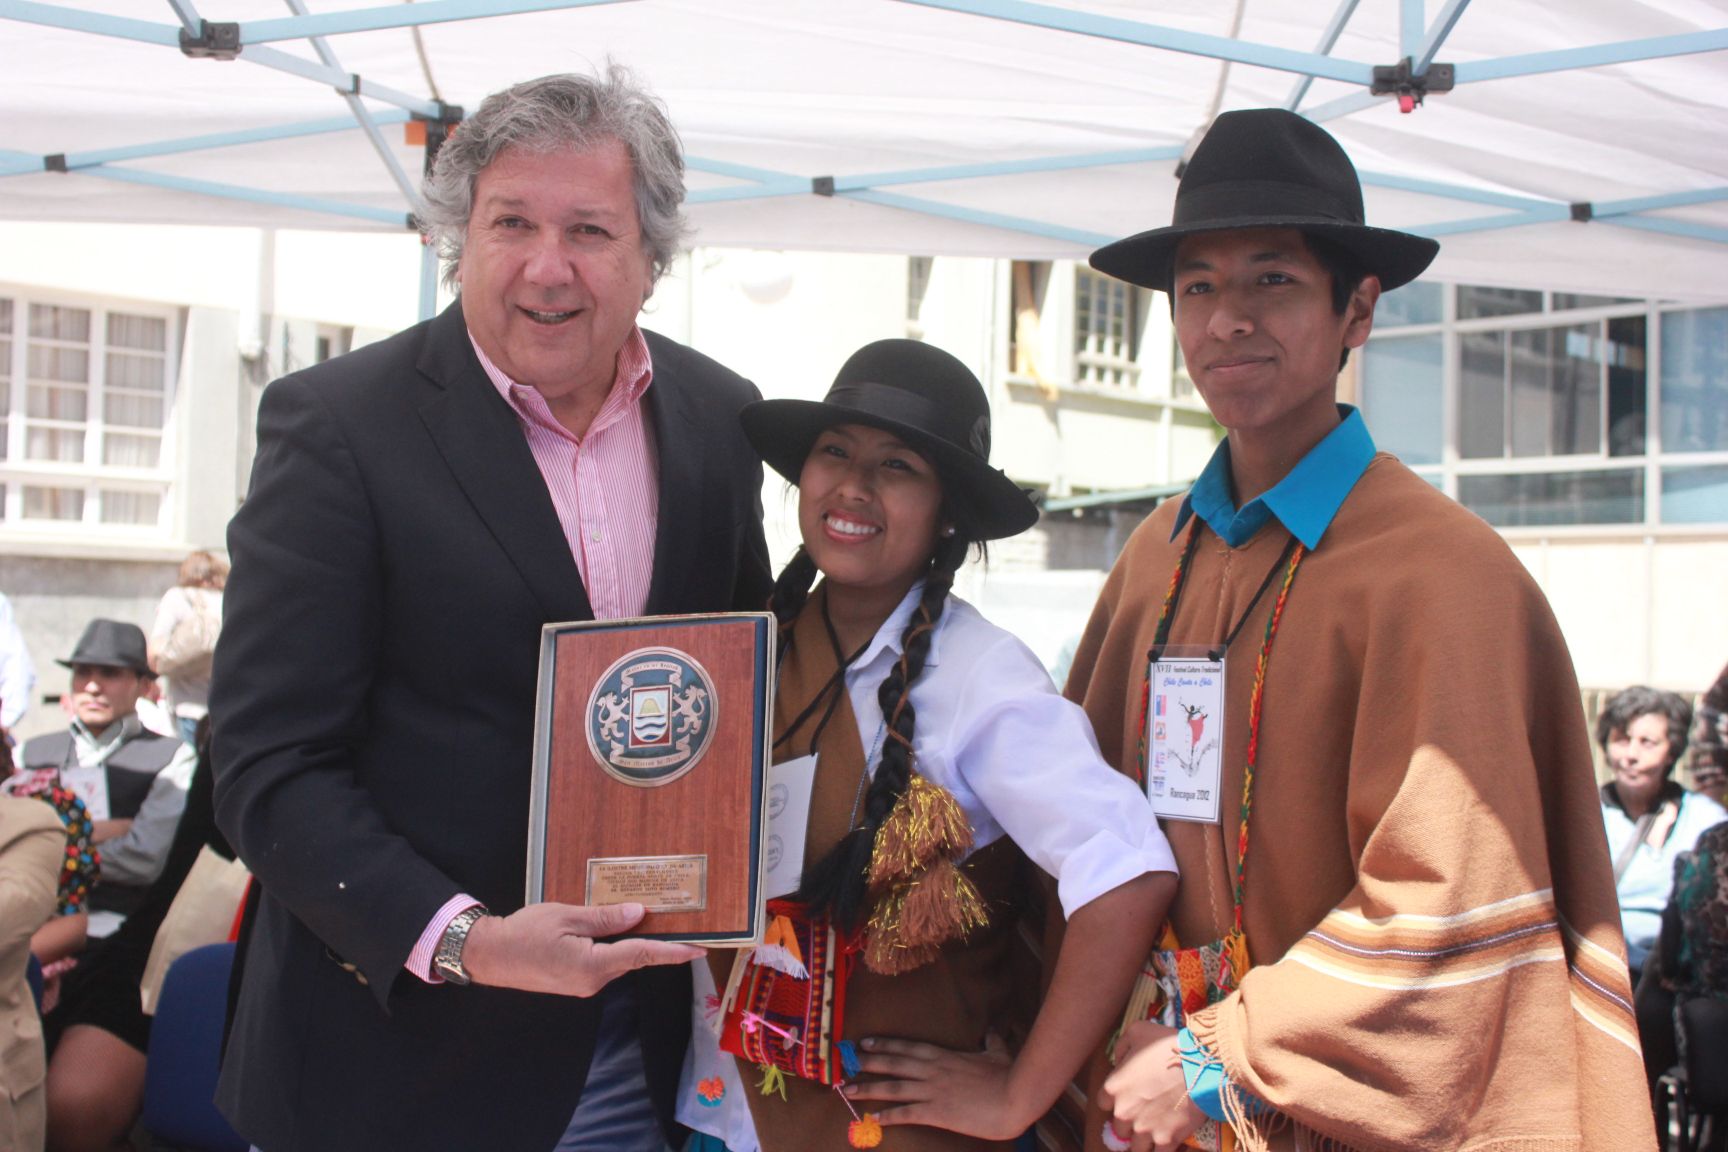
<point>650,717</point>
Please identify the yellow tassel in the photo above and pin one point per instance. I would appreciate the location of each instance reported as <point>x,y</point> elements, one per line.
<point>773,1080</point>
<point>864,1132</point>
<point>925,825</point>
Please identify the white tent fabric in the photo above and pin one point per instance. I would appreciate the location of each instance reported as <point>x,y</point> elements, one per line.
<point>1064,139</point>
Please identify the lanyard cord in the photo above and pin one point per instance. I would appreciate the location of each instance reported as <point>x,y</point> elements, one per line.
<point>830,692</point>
<point>1289,559</point>
<point>1179,580</point>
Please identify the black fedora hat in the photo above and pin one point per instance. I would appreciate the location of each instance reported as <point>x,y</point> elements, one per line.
<point>111,644</point>
<point>931,401</point>
<point>1269,168</point>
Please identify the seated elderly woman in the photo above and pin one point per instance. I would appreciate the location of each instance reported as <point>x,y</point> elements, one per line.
<point>1650,819</point>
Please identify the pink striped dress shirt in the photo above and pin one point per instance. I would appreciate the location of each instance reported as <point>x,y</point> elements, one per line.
<point>605,488</point>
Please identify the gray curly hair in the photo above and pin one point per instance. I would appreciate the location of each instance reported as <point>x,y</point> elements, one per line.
<point>565,111</point>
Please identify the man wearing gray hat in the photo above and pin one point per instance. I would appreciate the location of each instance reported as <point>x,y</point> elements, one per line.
<point>1396,926</point>
<point>132,780</point>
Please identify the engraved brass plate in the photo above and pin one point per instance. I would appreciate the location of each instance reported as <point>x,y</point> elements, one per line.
<point>658,883</point>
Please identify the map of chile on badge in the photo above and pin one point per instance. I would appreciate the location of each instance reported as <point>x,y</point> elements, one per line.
<point>650,717</point>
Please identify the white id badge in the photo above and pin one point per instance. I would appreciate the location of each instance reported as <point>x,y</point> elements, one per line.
<point>91,786</point>
<point>1185,737</point>
<point>789,786</point>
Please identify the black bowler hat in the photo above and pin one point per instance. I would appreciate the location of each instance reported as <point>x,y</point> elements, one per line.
<point>1268,168</point>
<point>927,398</point>
<point>111,644</point>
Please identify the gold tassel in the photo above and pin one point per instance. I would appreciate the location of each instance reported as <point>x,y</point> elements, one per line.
<point>940,906</point>
<point>925,825</point>
<point>864,1132</point>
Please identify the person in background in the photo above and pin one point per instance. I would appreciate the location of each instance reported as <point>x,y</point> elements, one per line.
<point>1650,818</point>
<point>133,782</point>
<point>183,638</point>
<point>1690,961</point>
<point>32,843</point>
<point>17,678</point>
<point>1710,742</point>
<point>98,1034</point>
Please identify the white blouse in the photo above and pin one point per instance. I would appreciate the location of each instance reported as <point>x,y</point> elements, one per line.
<point>1021,760</point>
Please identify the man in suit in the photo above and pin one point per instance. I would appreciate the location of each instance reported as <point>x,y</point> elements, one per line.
<point>419,509</point>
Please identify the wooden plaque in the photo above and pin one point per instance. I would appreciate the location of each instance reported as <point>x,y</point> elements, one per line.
<point>650,750</point>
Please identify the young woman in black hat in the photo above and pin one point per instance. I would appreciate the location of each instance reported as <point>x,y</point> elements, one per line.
<point>943,760</point>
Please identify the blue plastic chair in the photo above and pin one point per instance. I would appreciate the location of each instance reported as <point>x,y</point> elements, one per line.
<point>185,1054</point>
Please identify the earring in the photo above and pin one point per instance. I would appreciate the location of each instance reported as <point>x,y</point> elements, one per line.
<point>948,532</point>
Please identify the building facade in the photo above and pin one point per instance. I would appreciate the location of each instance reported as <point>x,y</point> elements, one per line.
<point>1593,432</point>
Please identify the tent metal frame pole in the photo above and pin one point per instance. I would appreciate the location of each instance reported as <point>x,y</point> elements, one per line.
<point>1652,203</point>
<point>1160,36</point>
<point>97,23</point>
<point>410,191</point>
<point>869,180</point>
<point>223,140</point>
<point>1328,41</point>
<point>347,82</point>
<point>1595,56</point>
<point>251,195</point>
<point>189,18</point>
<point>1410,20</point>
<point>398,16</point>
<point>985,219</point>
<point>1444,22</point>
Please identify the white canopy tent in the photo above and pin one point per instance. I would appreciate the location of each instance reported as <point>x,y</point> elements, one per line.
<point>1581,147</point>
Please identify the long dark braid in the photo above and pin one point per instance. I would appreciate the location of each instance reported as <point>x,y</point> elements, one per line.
<point>791,589</point>
<point>838,880</point>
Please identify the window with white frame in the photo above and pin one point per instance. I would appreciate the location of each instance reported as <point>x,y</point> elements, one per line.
<point>1108,317</point>
<point>1535,408</point>
<point>85,392</point>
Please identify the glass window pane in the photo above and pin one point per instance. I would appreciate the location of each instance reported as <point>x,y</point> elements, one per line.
<point>1695,495</point>
<point>130,507</point>
<point>132,370</point>
<point>71,365</point>
<point>132,411</point>
<point>1482,395</point>
<point>1401,396</point>
<point>147,332</point>
<point>54,444</point>
<point>1555,498</point>
<point>1530,407</point>
<point>53,503</point>
<point>45,403</point>
<point>5,316</point>
<point>1415,303</point>
<point>1627,387</point>
<point>124,451</point>
<point>1577,390</point>
<point>51,323</point>
<point>1565,300</point>
<point>1695,381</point>
<point>1475,301</point>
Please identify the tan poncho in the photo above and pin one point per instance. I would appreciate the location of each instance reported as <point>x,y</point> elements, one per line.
<point>1430,911</point>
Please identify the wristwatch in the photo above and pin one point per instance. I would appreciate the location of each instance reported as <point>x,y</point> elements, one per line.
<point>447,960</point>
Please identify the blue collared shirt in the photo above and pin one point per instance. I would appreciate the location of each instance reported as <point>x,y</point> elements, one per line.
<point>1305,501</point>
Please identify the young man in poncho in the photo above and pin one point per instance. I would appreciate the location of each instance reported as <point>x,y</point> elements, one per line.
<point>1395,887</point>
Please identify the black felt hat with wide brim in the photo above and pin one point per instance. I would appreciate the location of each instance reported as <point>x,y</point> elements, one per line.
<point>931,401</point>
<point>1269,168</point>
